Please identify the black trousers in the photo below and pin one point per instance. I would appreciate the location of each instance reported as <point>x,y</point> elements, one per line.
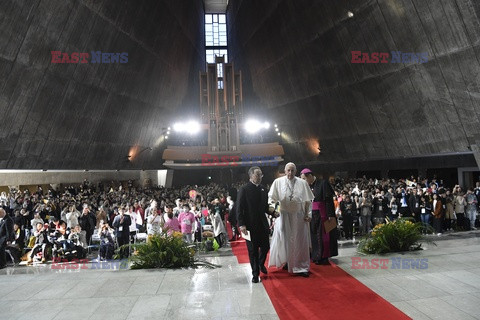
<point>404,211</point>
<point>257,252</point>
<point>437,224</point>
<point>316,236</point>
<point>348,226</point>
<point>88,235</point>
<point>123,240</point>
<point>106,251</point>
<point>3,257</point>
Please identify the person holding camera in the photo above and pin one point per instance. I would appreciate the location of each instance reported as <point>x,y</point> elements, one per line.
<point>155,220</point>
<point>122,223</point>
<point>88,222</point>
<point>378,207</point>
<point>107,244</point>
<point>79,240</point>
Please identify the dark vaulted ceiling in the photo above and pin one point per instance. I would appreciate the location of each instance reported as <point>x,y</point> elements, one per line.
<point>295,57</point>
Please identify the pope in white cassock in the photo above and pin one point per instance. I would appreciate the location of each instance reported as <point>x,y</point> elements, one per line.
<point>291,237</point>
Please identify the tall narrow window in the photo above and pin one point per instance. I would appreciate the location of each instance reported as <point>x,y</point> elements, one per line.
<point>215,37</point>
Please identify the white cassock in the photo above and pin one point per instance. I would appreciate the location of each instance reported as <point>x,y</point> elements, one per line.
<point>291,236</point>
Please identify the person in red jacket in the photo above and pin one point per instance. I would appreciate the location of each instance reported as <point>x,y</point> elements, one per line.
<point>437,214</point>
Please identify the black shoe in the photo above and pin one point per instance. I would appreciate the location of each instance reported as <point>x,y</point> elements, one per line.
<point>285,267</point>
<point>263,269</point>
<point>255,279</point>
<point>3,267</point>
<point>303,274</point>
<point>317,262</point>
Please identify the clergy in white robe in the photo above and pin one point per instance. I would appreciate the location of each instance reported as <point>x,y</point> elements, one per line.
<point>291,237</point>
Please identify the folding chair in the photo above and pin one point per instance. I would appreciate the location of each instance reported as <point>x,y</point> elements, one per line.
<point>94,245</point>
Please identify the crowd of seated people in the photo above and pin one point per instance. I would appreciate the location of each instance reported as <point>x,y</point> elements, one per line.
<point>63,223</point>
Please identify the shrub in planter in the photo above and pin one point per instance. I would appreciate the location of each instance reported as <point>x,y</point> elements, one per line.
<point>393,236</point>
<point>163,251</point>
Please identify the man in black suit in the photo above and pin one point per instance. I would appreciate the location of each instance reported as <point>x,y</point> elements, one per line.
<point>121,223</point>
<point>88,222</point>
<point>252,206</point>
<point>6,236</point>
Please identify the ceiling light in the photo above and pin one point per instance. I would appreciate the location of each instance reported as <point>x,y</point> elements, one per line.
<point>193,127</point>
<point>178,127</point>
<point>253,126</point>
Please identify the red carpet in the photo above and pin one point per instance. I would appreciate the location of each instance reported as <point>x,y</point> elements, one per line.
<point>329,293</point>
<point>239,249</point>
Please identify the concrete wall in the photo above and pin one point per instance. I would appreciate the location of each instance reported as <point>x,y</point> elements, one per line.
<point>92,115</point>
<point>42,178</point>
<point>295,57</point>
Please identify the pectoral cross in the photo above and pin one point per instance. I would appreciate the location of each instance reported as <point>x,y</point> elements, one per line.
<point>291,197</point>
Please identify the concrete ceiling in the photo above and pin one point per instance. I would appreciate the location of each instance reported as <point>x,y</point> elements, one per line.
<point>93,115</point>
<point>296,60</point>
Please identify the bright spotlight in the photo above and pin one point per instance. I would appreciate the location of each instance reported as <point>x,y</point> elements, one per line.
<point>168,132</point>
<point>178,127</point>
<point>276,129</point>
<point>278,134</point>
<point>168,128</point>
<point>253,126</point>
<point>275,125</point>
<point>350,14</point>
<point>193,127</point>
<point>266,125</point>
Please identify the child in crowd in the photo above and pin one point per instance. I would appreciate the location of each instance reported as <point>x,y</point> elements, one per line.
<point>41,243</point>
<point>187,222</point>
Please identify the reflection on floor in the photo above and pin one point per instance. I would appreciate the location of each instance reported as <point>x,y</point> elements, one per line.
<point>449,288</point>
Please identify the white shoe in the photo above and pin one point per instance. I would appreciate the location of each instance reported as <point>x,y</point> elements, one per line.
<point>439,234</point>
<point>473,228</point>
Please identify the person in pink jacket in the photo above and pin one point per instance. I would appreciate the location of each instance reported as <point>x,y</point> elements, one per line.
<point>187,222</point>
<point>171,222</point>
